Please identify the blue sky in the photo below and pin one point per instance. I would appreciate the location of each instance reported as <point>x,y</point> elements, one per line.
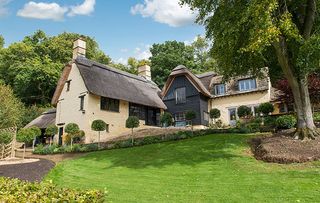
<point>122,28</point>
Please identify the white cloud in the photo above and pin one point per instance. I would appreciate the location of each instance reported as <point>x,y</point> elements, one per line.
<point>44,11</point>
<point>86,8</point>
<point>166,11</point>
<point>3,7</point>
<point>123,61</point>
<point>142,53</point>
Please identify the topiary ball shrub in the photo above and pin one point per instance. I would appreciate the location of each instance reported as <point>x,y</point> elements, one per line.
<point>51,130</point>
<point>190,115</point>
<point>72,128</point>
<point>266,108</point>
<point>286,122</point>
<point>244,111</point>
<point>98,125</point>
<point>214,113</point>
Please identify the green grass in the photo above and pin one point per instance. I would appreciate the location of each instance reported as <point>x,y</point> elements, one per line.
<point>214,168</point>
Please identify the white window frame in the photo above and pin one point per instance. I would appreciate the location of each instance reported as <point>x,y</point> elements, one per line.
<point>247,84</point>
<point>218,88</point>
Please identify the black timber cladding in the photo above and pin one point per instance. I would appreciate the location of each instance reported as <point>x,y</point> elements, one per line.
<point>194,100</point>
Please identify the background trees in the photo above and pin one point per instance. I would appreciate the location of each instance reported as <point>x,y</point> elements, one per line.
<point>283,35</point>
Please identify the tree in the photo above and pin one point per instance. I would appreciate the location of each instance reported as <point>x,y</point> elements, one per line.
<point>73,131</point>
<point>266,108</point>
<point>191,115</point>
<point>98,125</point>
<point>244,111</point>
<point>313,86</point>
<point>1,41</point>
<point>214,114</point>
<point>283,35</point>
<point>132,122</point>
<point>51,131</point>
<point>27,135</point>
<point>11,108</point>
<point>166,119</point>
<point>165,57</point>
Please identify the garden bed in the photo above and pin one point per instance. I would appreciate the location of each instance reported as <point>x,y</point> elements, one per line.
<point>282,148</point>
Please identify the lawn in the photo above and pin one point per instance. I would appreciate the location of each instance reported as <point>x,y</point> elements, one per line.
<point>213,168</point>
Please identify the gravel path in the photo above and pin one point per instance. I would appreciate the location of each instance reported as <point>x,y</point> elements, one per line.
<point>28,171</point>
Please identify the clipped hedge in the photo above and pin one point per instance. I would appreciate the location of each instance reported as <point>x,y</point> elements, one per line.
<point>14,190</point>
<point>56,149</point>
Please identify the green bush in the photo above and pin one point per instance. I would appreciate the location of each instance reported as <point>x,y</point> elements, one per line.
<point>270,121</point>
<point>244,111</point>
<point>316,116</point>
<point>14,190</point>
<point>286,122</point>
<point>214,113</point>
<point>253,127</point>
<point>266,108</point>
<point>166,119</point>
<point>5,137</point>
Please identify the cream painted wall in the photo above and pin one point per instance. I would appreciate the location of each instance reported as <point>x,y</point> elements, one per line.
<point>250,99</point>
<point>68,111</point>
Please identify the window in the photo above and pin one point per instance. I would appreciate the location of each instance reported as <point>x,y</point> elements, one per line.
<point>247,84</point>
<point>205,116</point>
<point>180,94</point>
<point>107,128</point>
<point>219,89</point>
<point>82,102</point>
<point>109,104</point>
<point>68,85</point>
<point>180,116</point>
<point>137,110</point>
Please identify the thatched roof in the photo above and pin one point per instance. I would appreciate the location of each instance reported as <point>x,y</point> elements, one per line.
<point>205,82</point>
<point>103,80</point>
<point>182,70</point>
<point>44,120</point>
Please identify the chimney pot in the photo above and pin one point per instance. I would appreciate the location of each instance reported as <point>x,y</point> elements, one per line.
<point>145,71</point>
<point>79,48</point>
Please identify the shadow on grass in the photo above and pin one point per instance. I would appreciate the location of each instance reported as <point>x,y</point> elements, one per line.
<point>189,152</point>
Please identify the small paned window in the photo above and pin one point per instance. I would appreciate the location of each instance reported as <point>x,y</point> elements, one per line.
<point>180,94</point>
<point>68,85</point>
<point>109,104</point>
<point>247,84</point>
<point>220,89</point>
<point>82,102</point>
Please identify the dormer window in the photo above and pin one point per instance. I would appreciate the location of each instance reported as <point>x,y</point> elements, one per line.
<point>220,89</point>
<point>247,84</point>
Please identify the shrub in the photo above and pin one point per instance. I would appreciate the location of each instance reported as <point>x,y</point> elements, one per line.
<point>5,137</point>
<point>253,127</point>
<point>73,131</point>
<point>14,190</point>
<point>214,113</point>
<point>51,130</point>
<point>98,125</point>
<point>166,119</point>
<point>132,122</point>
<point>244,111</point>
<point>270,121</point>
<point>316,116</point>
<point>190,115</point>
<point>266,108</point>
<point>286,122</point>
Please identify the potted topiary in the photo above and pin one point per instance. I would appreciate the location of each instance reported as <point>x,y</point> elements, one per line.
<point>73,131</point>
<point>244,113</point>
<point>214,114</point>
<point>132,122</point>
<point>98,125</point>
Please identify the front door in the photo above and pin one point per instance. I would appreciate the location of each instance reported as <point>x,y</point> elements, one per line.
<point>60,135</point>
<point>232,116</point>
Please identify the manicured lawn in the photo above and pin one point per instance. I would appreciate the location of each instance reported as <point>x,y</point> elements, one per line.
<point>214,168</point>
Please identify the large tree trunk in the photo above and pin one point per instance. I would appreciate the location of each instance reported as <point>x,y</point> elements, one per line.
<point>299,86</point>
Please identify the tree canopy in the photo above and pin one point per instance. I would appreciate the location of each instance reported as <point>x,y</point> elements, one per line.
<point>282,35</point>
<point>168,55</point>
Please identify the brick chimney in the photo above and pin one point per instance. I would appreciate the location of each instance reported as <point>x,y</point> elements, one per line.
<point>145,71</point>
<point>79,48</point>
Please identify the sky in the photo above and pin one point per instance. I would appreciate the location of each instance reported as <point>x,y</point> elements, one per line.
<point>122,28</point>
